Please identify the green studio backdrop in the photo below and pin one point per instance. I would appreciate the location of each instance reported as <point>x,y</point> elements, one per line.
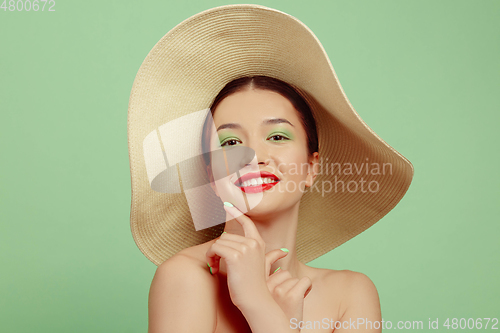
<point>424,75</point>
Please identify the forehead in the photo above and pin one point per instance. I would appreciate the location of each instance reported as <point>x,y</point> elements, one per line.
<point>253,106</point>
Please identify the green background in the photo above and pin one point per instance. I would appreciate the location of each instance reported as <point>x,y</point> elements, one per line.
<point>423,74</point>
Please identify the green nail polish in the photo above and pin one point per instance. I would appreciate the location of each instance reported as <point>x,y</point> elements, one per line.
<point>228,204</point>
<point>224,232</point>
<point>210,268</point>
<point>276,270</point>
<point>284,249</point>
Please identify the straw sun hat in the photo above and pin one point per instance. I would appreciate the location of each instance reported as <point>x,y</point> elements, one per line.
<point>361,178</point>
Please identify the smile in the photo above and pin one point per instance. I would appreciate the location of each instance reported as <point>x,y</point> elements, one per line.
<point>255,182</point>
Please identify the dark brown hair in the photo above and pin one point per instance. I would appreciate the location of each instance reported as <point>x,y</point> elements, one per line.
<point>275,85</point>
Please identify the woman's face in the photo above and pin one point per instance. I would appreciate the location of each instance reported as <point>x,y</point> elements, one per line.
<point>269,124</point>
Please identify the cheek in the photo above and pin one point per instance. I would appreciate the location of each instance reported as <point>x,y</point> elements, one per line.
<point>230,193</point>
<point>223,185</point>
<point>295,165</point>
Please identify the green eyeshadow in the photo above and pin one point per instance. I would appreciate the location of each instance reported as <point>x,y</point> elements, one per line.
<point>226,136</point>
<point>282,131</point>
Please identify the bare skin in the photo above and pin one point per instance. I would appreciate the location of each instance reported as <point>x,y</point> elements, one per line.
<point>246,292</point>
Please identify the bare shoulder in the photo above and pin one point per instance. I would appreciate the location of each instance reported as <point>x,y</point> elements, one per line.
<point>354,293</point>
<point>349,281</point>
<point>187,268</point>
<point>182,289</point>
<point>181,264</point>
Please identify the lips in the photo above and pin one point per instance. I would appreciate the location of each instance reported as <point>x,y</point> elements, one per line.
<point>255,182</point>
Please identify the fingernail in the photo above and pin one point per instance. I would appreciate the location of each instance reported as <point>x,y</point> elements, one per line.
<point>228,204</point>
<point>224,232</point>
<point>277,269</point>
<point>210,269</point>
<point>284,249</point>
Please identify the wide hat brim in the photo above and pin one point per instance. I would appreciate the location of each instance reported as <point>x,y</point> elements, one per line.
<point>188,67</point>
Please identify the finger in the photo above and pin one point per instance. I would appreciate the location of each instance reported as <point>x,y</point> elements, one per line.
<point>214,253</point>
<point>238,246</point>
<point>303,287</point>
<point>278,278</point>
<point>249,227</point>
<point>244,241</point>
<point>308,291</point>
<point>286,286</point>
<point>273,256</point>
<point>233,237</point>
<point>213,261</point>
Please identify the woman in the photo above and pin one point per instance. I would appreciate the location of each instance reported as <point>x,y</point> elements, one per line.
<point>256,280</point>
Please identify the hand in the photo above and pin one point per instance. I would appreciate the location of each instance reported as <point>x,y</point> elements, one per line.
<point>289,292</point>
<point>245,260</point>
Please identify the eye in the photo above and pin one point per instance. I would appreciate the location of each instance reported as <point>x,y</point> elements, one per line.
<point>278,137</point>
<point>230,142</point>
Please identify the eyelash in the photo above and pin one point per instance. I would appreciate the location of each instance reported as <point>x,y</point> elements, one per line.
<point>228,140</point>
<point>283,138</point>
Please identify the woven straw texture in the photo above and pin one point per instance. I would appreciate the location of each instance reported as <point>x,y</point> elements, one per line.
<point>184,72</point>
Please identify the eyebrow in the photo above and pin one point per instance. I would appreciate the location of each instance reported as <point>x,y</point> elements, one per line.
<point>229,125</point>
<point>265,122</point>
<point>277,121</point>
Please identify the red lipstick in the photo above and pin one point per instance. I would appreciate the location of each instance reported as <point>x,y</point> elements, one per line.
<point>254,186</point>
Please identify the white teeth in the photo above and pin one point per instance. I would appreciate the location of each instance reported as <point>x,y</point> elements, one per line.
<point>257,182</point>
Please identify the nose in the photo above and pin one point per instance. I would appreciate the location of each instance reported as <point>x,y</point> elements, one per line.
<point>262,153</point>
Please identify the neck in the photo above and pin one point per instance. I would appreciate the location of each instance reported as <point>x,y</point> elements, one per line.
<point>278,231</point>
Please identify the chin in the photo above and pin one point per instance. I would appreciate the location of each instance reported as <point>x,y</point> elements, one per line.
<point>269,207</point>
